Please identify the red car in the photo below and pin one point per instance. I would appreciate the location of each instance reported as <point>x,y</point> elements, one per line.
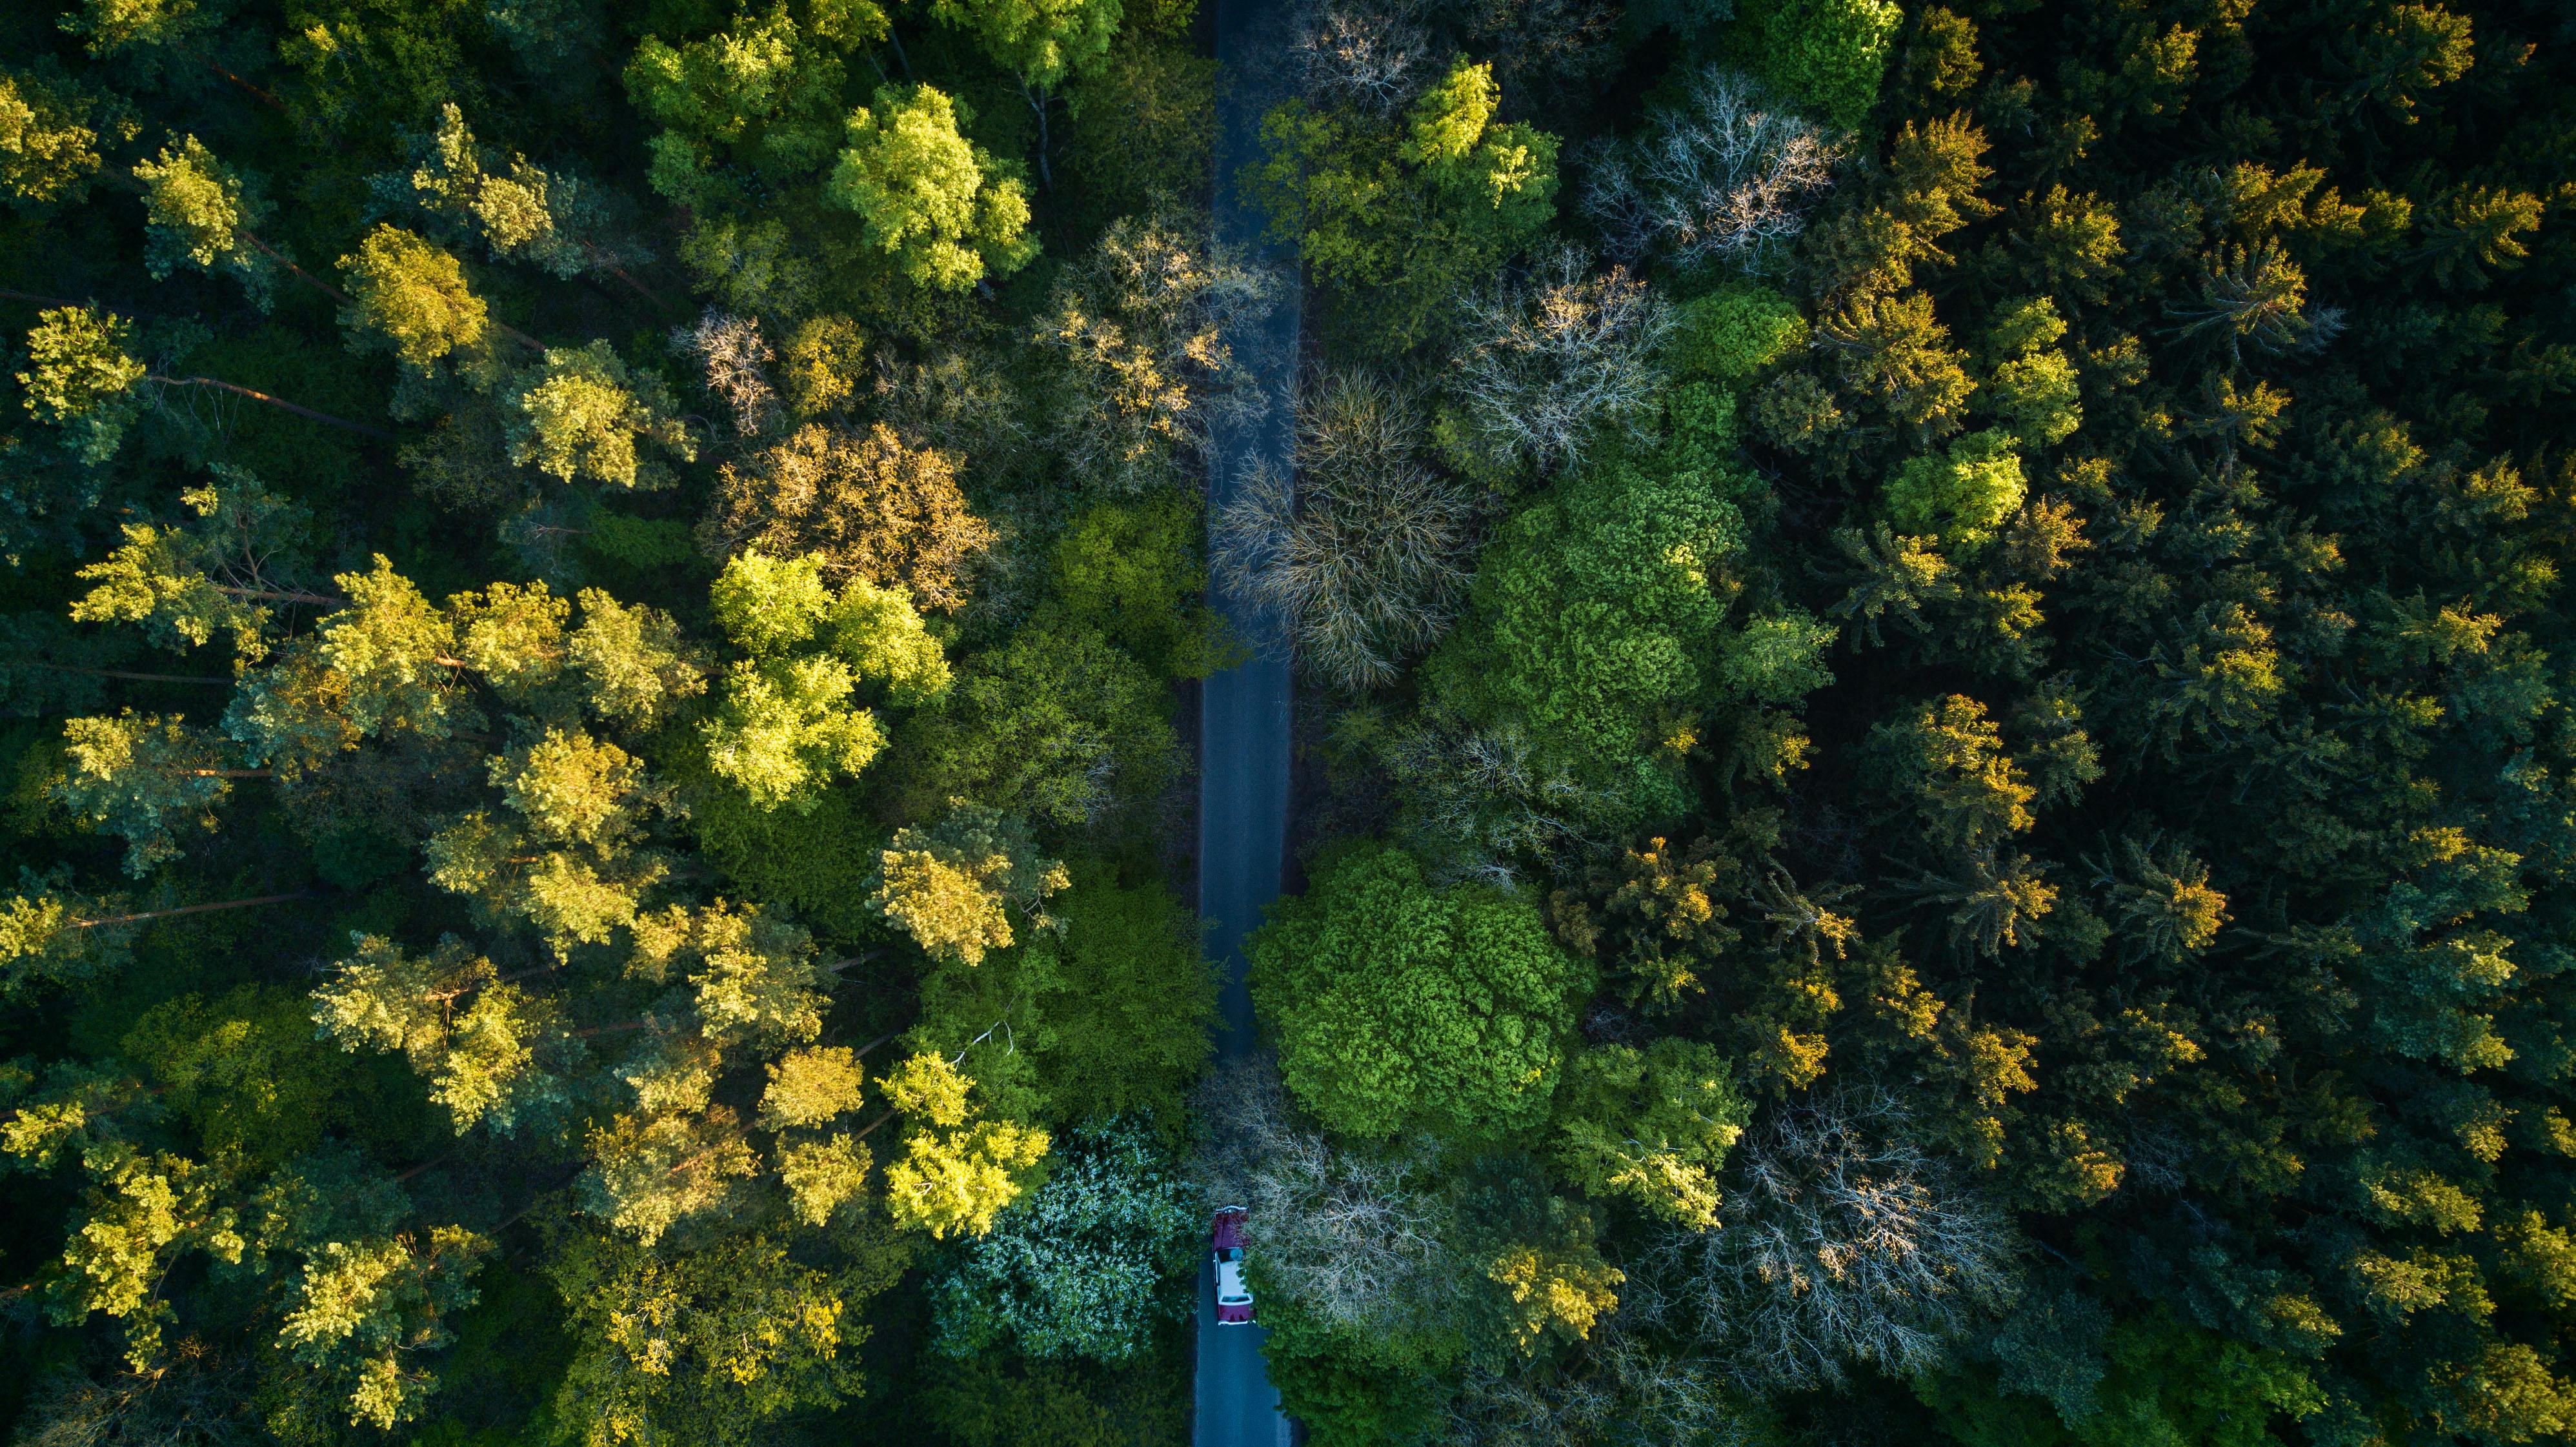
<point>1233,1297</point>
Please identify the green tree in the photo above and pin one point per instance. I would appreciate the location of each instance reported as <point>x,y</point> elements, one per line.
<point>50,128</point>
<point>553,221</point>
<point>1134,1001</point>
<point>224,571</point>
<point>959,1169</point>
<point>2152,1378</point>
<point>783,728</point>
<point>244,1072</point>
<point>1651,1127</point>
<point>203,214</point>
<point>1084,1265</point>
<point>569,852</point>
<point>943,210</point>
<point>2032,387</point>
<point>412,299</point>
<point>1399,1005</point>
<point>81,379</point>
<point>1735,334</point>
<point>955,887</point>
<point>1041,41</point>
<point>363,1311</point>
<point>635,665</point>
<point>1826,55</point>
<point>453,1016</point>
<point>710,1345</point>
<point>580,413</point>
<point>766,89</point>
<point>1599,625</point>
<point>1133,572</point>
<point>1402,216</point>
<point>1959,497</point>
<point>142,778</point>
<point>1058,724</point>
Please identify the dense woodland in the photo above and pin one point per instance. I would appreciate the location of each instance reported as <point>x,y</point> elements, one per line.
<point>1936,800</point>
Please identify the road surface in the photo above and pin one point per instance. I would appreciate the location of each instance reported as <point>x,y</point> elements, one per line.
<point>1243,718</point>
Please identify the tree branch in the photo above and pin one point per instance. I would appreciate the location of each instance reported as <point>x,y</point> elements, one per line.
<point>129,677</point>
<point>280,403</point>
<point>268,595</point>
<point>308,278</point>
<point>190,909</point>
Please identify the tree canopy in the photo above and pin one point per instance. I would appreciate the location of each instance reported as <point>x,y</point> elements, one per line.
<point>1928,777</point>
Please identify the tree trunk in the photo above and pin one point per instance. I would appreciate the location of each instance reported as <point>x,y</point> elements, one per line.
<point>843,963</point>
<point>425,1165</point>
<point>514,334</point>
<point>129,677</point>
<point>190,909</point>
<point>308,278</point>
<point>646,292</point>
<point>256,92</point>
<point>280,403</point>
<point>266,595</point>
<point>30,296</point>
<point>1038,100</point>
<point>899,57</point>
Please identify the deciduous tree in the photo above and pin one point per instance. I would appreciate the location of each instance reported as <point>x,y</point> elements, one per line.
<point>940,208</point>
<point>1401,1006</point>
<point>869,505</point>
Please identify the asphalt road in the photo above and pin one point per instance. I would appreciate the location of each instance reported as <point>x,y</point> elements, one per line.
<point>1243,769</point>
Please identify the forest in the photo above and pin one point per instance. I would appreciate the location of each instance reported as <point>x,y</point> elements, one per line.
<point>1931,800</point>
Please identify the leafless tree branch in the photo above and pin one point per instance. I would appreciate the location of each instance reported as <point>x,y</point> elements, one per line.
<point>1715,180</point>
<point>1552,359</point>
<point>1841,1242</point>
<point>1365,555</point>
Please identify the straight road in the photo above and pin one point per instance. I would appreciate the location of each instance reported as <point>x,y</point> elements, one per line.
<point>1243,719</point>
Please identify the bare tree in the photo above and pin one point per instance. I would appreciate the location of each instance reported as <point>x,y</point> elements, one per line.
<point>1476,801</point>
<point>1364,557</point>
<point>1353,1237</point>
<point>191,1399</point>
<point>735,358</point>
<point>1142,325</point>
<point>1619,1393</point>
<point>959,402</point>
<point>1715,180</point>
<point>1552,359</point>
<point>870,505</point>
<point>1372,54</point>
<point>1841,1242</point>
<point>1547,51</point>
